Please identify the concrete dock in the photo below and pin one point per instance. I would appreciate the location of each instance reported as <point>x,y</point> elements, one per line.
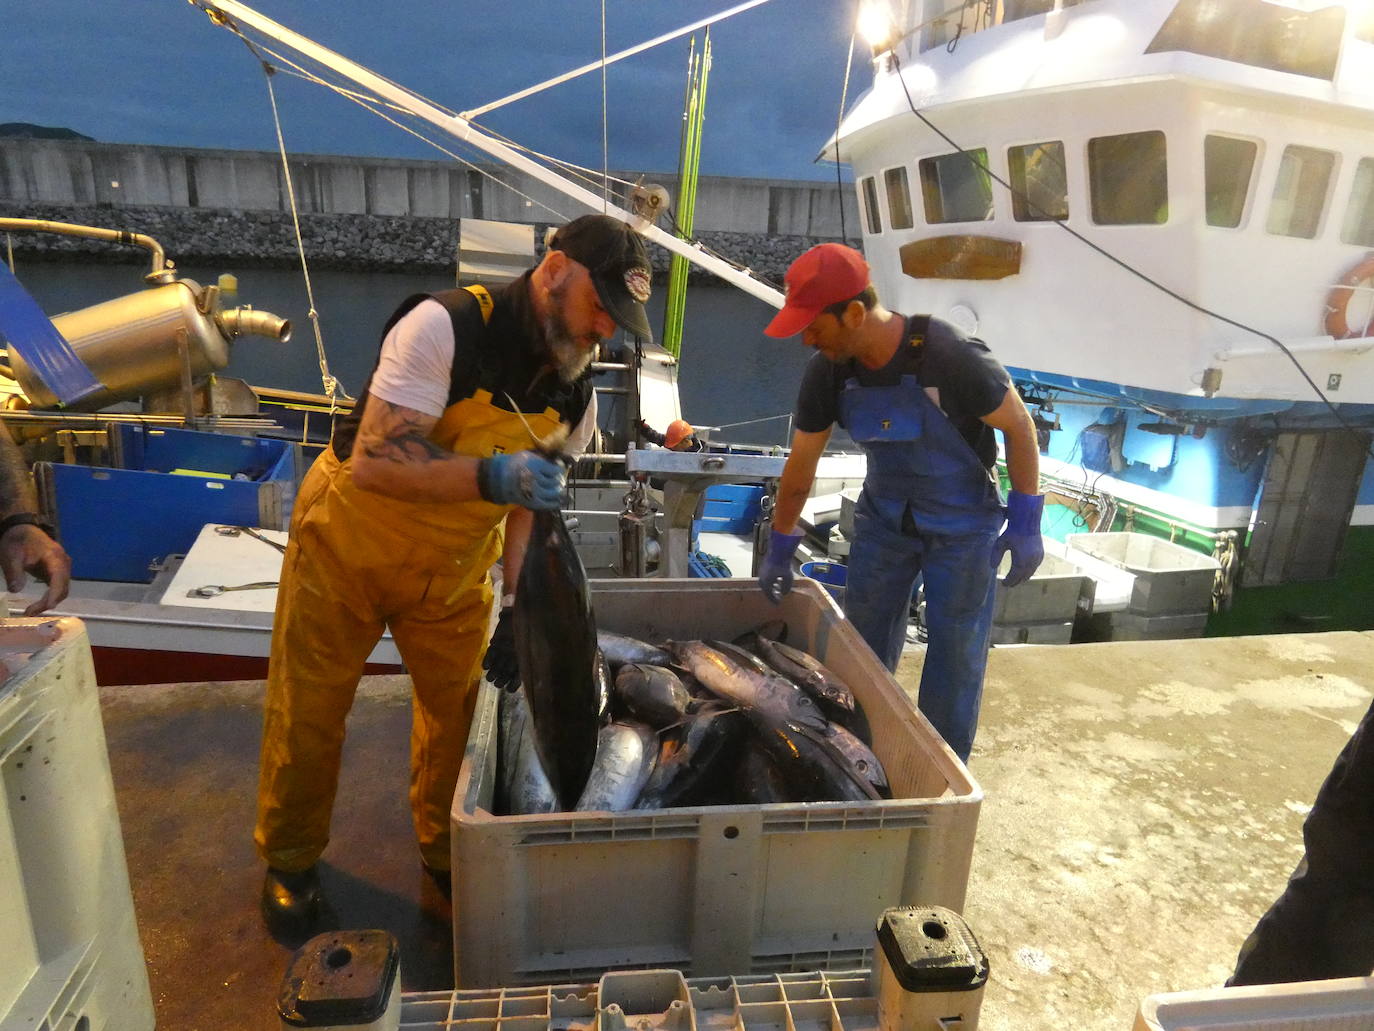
<point>1143,807</point>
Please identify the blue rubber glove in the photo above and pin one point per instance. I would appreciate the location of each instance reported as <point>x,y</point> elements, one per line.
<point>1021,537</point>
<point>775,573</point>
<point>525,478</point>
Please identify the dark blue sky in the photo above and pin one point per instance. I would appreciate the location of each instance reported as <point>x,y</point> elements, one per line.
<point>157,71</point>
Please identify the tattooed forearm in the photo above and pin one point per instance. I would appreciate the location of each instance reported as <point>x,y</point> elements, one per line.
<point>400,436</point>
<point>406,447</point>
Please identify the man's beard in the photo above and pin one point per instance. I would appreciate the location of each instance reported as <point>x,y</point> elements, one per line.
<point>569,359</point>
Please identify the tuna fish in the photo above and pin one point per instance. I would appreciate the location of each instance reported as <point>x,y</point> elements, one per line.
<point>525,786</point>
<point>625,757</point>
<point>758,779</point>
<point>735,676</point>
<point>814,768</point>
<point>620,650</point>
<point>555,644</point>
<point>694,757</point>
<point>653,694</point>
<point>807,672</point>
<point>860,757</point>
<point>816,679</point>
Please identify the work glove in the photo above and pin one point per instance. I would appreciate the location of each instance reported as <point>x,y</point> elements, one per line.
<point>1021,537</point>
<point>503,669</point>
<point>525,478</point>
<point>775,573</point>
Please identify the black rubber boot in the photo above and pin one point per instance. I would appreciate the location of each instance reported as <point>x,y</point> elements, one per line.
<point>291,902</point>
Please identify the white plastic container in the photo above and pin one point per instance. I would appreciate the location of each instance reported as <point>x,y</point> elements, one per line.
<point>69,950</point>
<point>711,890</point>
<point>1346,1004</point>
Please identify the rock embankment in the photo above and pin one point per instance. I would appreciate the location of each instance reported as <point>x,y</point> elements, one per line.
<point>355,243</point>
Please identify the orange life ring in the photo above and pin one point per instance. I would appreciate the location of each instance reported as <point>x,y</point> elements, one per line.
<point>1338,301</point>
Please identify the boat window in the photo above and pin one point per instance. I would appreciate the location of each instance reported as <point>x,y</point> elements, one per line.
<point>1300,192</point>
<point>1040,182</point>
<point>1128,178</point>
<point>868,196</point>
<point>1359,216</point>
<point>1228,165</point>
<point>1264,35</point>
<point>954,189</point>
<point>1014,10</point>
<point>898,198</point>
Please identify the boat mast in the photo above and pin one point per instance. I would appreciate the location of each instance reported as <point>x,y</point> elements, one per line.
<point>689,163</point>
<point>231,11</point>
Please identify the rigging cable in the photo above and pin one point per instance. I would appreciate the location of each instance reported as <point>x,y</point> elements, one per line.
<point>605,134</point>
<point>983,167</point>
<point>374,105</point>
<point>333,389</point>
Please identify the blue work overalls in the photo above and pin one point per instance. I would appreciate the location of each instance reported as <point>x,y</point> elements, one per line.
<point>929,507</point>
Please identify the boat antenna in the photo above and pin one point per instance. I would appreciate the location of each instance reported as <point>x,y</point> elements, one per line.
<point>983,167</point>
<point>839,121</point>
<point>605,135</point>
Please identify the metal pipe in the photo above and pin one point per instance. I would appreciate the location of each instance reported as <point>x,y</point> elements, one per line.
<point>160,272</point>
<point>227,422</point>
<point>249,322</point>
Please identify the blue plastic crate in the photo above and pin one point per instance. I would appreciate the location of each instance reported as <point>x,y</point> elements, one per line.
<point>730,508</point>
<point>116,522</point>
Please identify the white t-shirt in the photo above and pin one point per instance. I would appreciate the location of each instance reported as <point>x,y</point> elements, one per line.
<point>417,361</point>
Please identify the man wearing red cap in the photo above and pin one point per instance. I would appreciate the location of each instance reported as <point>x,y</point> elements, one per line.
<point>922,400</point>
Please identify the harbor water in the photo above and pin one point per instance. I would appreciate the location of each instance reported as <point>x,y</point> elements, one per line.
<point>731,375</point>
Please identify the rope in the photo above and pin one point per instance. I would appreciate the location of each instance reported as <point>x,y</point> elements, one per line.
<point>373,105</point>
<point>751,422</point>
<point>332,387</point>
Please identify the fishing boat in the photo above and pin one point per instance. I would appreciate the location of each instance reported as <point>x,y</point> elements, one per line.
<point>175,510</point>
<point>1159,214</point>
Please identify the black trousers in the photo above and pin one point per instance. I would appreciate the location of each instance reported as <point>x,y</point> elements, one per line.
<point>1323,924</point>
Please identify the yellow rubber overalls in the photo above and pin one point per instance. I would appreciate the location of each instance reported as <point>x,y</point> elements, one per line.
<point>357,562</point>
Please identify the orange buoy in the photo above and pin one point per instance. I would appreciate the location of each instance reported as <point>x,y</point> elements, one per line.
<point>1338,301</point>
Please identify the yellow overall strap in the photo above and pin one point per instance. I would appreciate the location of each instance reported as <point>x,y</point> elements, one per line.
<point>483,297</point>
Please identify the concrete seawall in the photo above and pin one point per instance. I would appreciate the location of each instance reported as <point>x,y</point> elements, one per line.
<point>357,213</point>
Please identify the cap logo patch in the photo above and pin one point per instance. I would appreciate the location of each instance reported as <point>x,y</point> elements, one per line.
<point>637,282</point>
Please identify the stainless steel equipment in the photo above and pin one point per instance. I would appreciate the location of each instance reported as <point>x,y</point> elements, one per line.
<point>161,338</point>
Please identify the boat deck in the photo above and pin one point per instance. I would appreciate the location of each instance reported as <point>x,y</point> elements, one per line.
<point>1144,806</point>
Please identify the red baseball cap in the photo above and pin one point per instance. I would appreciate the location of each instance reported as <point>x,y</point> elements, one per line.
<point>826,274</point>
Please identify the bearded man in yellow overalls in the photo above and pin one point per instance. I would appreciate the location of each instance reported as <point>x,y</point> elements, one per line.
<point>398,523</point>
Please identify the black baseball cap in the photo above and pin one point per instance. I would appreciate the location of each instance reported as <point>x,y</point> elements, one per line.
<point>614,255</point>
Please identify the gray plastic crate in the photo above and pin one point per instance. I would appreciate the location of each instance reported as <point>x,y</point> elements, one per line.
<point>1130,626</point>
<point>657,1000</point>
<point>1032,633</point>
<point>710,890</point>
<point>1170,578</point>
<point>1049,596</point>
